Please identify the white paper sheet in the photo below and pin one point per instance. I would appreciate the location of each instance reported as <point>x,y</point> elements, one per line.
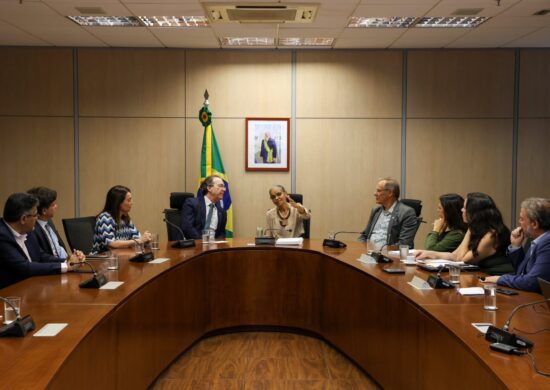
<point>111,285</point>
<point>50,330</point>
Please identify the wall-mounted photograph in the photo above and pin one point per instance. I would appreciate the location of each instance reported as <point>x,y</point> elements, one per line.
<point>267,144</point>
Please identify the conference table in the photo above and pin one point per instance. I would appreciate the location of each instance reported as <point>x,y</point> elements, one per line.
<point>402,337</point>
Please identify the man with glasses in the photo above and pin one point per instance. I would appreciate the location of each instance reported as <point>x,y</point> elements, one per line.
<point>205,212</point>
<point>20,254</point>
<point>392,222</point>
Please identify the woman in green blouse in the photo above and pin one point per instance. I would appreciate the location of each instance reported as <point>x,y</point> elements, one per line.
<point>448,230</point>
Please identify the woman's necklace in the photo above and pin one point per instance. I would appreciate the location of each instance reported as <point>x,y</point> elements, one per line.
<point>283,220</point>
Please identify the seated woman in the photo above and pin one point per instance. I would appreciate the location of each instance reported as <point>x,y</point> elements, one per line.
<point>113,227</point>
<point>286,218</point>
<point>449,228</point>
<point>486,240</point>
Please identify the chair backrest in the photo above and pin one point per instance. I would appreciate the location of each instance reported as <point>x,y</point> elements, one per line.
<point>178,198</point>
<point>299,198</point>
<point>415,204</point>
<point>80,233</point>
<point>174,216</point>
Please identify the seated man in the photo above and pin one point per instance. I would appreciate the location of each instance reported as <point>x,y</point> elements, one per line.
<point>391,223</point>
<point>20,254</point>
<point>45,232</point>
<point>534,224</point>
<point>198,213</point>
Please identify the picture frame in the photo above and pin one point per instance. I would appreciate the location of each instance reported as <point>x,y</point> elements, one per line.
<point>267,144</point>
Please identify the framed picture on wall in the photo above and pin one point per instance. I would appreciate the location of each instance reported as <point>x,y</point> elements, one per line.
<point>267,144</point>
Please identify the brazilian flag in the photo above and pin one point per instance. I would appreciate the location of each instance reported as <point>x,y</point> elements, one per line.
<point>211,164</point>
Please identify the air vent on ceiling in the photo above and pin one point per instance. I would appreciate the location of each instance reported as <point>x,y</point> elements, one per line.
<point>90,10</point>
<point>467,11</point>
<point>542,12</point>
<point>261,13</point>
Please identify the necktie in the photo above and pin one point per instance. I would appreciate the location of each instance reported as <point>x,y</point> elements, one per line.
<point>209,216</point>
<point>58,251</point>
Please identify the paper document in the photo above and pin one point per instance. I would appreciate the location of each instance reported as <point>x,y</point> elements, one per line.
<point>290,241</point>
<point>160,260</point>
<point>50,330</point>
<point>471,291</point>
<point>111,285</point>
<point>419,283</point>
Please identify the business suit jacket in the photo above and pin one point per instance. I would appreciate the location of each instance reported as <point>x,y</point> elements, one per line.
<point>529,268</point>
<point>14,265</point>
<point>401,229</point>
<point>42,238</point>
<point>193,218</point>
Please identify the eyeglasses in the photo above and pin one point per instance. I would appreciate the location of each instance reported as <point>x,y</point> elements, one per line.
<point>35,215</point>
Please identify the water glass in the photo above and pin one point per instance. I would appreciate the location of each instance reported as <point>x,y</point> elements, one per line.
<point>138,247</point>
<point>454,273</point>
<point>9,314</point>
<point>205,236</point>
<point>490,298</point>
<point>112,262</point>
<point>260,232</point>
<point>155,242</point>
<point>403,252</point>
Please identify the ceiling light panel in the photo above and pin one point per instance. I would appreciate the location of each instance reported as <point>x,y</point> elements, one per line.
<point>451,22</point>
<point>106,21</point>
<point>306,41</point>
<point>174,21</point>
<point>382,22</point>
<point>247,41</point>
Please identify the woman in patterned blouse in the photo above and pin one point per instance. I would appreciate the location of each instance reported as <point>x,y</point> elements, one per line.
<point>114,228</point>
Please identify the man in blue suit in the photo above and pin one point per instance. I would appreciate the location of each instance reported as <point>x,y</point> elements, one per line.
<point>20,254</point>
<point>534,262</point>
<point>205,212</point>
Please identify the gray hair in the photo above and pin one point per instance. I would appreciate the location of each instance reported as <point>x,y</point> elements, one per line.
<point>392,185</point>
<point>538,210</point>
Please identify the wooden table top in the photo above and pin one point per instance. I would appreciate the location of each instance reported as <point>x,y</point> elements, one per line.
<point>58,298</point>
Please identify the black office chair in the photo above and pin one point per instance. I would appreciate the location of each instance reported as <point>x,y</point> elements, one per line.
<point>80,233</point>
<point>173,214</point>
<point>299,198</point>
<point>416,205</point>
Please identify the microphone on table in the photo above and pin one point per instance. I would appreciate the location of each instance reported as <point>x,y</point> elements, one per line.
<point>504,336</point>
<point>437,281</point>
<point>265,240</point>
<point>185,243</point>
<point>334,243</point>
<point>379,257</point>
<point>18,327</point>
<point>96,281</point>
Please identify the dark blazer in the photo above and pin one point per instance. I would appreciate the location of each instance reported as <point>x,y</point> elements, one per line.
<point>529,268</point>
<point>402,227</point>
<point>14,265</point>
<point>193,218</point>
<point>42,238</point>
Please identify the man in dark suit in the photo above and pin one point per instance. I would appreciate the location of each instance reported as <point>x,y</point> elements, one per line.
<point>205,212</point>
<point>534,262</point>
<point>45,232</point>
<point>20,254</point>
<point>392,222</point>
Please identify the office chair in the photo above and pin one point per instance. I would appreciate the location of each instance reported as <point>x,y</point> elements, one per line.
<point>80,233</point>
<point>416,205</point>
<point>173,214</point>
<point>299,198</point>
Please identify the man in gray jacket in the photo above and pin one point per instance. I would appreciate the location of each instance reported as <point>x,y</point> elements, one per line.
<point>392,222</point>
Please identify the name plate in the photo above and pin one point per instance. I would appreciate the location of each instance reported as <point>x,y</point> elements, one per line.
<point>419,283</point>
<point>111,285</point>
<point>50,330</point>
<point>366,259</point>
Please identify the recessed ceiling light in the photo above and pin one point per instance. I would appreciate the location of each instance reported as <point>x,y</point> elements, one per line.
<point>451,22</point>
<point>106,21</point>
<point>306,41</point>
<point>248,41</point>
<point>174,21</point>
<point>393,22</point>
